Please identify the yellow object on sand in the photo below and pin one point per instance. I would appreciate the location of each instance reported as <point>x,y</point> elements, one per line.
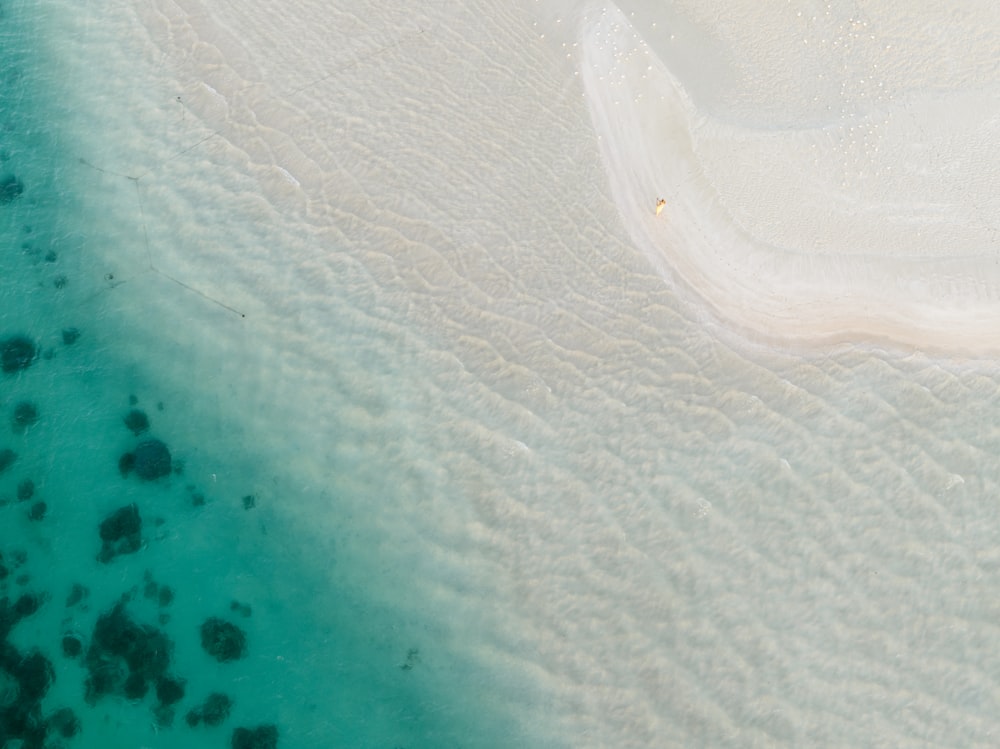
<point>660,202</point>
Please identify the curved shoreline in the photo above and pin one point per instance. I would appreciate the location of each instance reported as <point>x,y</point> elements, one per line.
<point>650,133</point>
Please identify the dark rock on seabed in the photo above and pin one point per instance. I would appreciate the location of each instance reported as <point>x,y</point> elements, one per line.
<point>124,655</point>
<point>121,533</point>
<point>135,687</point>
<point>72,645</point>
<point>170,690</point>
<point>261,737</point>
<point>25,490</point>
<point>10,189</point>
<point>26,679</point>
<point>213,711</point>
<point>126,463</point>
<point>76,594</point>
<point>16,353</point>
<point>136,421</point>
<point>25,414</point>
<point>151,460</point>
<point>223,640</point>
<point>65,722</point>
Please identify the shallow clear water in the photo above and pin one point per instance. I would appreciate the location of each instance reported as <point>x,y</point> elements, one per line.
<point>329,660</point>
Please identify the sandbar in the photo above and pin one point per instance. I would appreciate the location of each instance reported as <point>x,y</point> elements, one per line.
<point>829,181</point>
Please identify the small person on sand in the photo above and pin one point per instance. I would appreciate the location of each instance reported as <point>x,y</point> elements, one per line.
<point>660,202</point>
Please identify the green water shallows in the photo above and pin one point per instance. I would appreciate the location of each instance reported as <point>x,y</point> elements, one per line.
<point>134,511</point>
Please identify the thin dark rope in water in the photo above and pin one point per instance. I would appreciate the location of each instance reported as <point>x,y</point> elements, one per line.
<point>176,155</point>
<point>145,232</point>
<point>152,267</point>
<point>142,215</point>
<point>146,173</point>
<point>202,294</point>
<point>106,171</point>
<point>114,283</point>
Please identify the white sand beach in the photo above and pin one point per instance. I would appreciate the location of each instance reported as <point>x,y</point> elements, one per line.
<point>508,417</point>
<point>829,172</point>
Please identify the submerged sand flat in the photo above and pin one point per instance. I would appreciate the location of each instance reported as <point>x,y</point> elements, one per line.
<point>829,174</point>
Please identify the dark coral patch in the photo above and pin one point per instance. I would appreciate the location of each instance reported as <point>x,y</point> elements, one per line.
<point>216,708</point>
<point>25,680</point>
<point>35,675</point>
<point>151,460</point>
<point>10,189</point>
<point>170,690</point>
<point>165,596</point>
<point>121,533</point>
<point>136,421</point>
<point>70,336</point>
<point>72,646</point>
<point>261,737</point>
<point>27,604</point>
<point>126,463</point>
<point>223,640</point>
<point>17,353</point>
<point>25,490</point>
<point>12,613</point>
<point>135,687</point>
<point>76,594</point>
<point>213,711</point>
<point>7,458</point>
<point>123,652</point>
<point>124,521</point>
<point>104,677</point>
<point>25,414</point>
<point>64,722</point>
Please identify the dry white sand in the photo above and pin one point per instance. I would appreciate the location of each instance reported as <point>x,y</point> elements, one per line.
<point>829,173</point>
